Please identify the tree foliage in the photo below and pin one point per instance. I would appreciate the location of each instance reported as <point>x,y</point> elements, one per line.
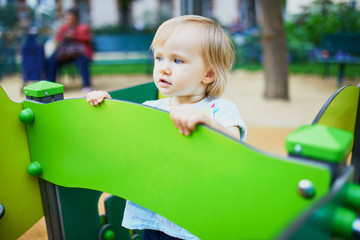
<point>8,16</point>
<point>323,17</point>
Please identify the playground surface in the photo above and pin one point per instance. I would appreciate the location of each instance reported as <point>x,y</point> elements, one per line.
<point>269,121</point>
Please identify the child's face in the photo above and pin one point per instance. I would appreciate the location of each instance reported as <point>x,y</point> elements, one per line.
<point>179,69</point>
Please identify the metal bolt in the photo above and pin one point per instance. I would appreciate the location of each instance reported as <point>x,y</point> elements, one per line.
<point>298,148</point>
<point>46,93</point>
<point>26,92</point>
<point>306,188</point>
<point>2,210</point>
<point>356,227</point>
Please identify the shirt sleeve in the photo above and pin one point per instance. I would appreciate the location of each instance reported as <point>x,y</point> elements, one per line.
<point>227,114</point>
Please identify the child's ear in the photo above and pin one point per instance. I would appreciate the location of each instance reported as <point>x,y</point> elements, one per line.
<point>209,77</point>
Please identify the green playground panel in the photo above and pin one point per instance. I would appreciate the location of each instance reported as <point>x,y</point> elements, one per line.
<point>19,192</point>
<point>81,217</point>
<point>338,219</point>
<point>137,94</point>
<point>333,215</point>
<point>111,148</point>
<point>342,112</point>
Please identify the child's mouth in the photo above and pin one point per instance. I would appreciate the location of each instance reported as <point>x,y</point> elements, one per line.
<point>164,83</point>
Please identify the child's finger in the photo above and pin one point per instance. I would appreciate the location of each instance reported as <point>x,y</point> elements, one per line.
<point>191,125</point>
<point>187,132</point>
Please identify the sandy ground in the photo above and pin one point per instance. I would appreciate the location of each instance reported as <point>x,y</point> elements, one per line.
<point>269,121</point>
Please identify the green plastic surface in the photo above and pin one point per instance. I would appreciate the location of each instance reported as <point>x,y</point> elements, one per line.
<point>352,196</point>
<point>138,94</point>
<point>320,142</point>
<point>34,169</point>
<point>342,222</point>
<point>341,112</point>
<point>210,184</point>
<point>114,209</point>
<point>79,211</point>
<point>26,116</point>
<point>43,89</point>
<point>109,235</point>
<point>19,192</point>
<point>319,221</point>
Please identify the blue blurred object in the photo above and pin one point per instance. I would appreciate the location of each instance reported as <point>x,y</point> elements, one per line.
<point>33,59</point>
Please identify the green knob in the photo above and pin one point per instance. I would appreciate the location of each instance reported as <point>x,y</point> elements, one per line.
<point>109,235</point>
<point>342,222</point>
<point>34,169</point>
<point>27,116</point>
<point>352,196</point>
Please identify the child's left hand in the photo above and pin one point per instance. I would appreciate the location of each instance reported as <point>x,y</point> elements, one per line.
<point>186,117</point>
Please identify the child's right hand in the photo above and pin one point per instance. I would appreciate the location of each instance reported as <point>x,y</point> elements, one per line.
<point>97,97</point>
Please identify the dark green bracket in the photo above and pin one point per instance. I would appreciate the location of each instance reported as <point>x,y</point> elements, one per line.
<point>355,158</point>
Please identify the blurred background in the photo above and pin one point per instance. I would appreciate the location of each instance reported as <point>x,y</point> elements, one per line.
<point>291,55</point>
<point>305,24</point>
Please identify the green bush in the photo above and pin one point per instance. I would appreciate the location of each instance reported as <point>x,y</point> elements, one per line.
<point>305,31</point>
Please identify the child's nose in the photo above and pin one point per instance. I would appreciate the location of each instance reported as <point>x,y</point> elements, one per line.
<point>165,69</point>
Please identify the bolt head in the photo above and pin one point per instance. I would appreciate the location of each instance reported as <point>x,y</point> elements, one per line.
<point>298,148</point>
<point>2,210</point>
<point>306,189</point>
<point>46,93</point>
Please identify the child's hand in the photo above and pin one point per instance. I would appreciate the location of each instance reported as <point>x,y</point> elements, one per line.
<point>186,117</point>
<point>97,97</point>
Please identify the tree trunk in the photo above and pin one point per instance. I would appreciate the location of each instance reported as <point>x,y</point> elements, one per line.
<point>125,14</point>
<point>274,49</point>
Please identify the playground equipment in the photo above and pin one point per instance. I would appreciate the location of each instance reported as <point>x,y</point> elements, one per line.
<point>220,188</point>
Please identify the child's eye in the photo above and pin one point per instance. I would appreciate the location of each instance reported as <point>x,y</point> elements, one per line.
<point>158,58</point>
<point>178,61</point>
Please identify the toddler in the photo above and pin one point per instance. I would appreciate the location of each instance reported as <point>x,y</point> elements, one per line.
<point>193,56</point>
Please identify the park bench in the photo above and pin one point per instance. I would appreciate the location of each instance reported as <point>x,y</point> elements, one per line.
<point>122,49</point>
<point>342,49</point>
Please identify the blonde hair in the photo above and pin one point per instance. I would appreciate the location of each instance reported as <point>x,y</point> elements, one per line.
<point>216,47</point>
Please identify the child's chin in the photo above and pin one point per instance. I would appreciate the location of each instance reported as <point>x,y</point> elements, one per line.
<point>164,94</point>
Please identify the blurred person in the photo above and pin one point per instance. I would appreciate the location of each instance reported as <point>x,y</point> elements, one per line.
<point>73,41</point>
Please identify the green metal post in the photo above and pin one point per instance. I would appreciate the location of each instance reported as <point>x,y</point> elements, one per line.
<point>46,92</point>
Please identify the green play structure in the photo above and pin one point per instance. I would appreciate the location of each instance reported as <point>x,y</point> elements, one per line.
<point>58,156</point>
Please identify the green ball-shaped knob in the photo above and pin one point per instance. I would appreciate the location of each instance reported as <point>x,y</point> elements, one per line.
<point>27,116</point>
<point>109,235</point>
<point>34,169</point>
